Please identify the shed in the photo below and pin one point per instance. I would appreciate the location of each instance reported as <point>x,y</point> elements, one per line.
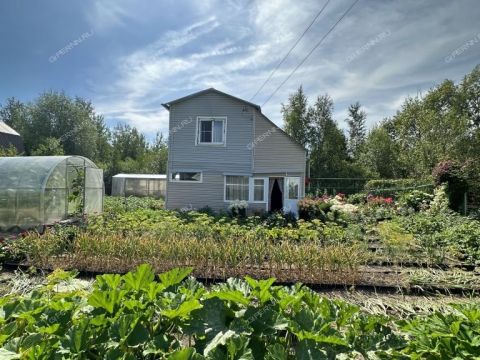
<point>152,185</point>
<point>9,137</point>
<point>42,190</point>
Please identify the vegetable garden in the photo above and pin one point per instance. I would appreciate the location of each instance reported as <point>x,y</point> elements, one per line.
<point>412,244</point>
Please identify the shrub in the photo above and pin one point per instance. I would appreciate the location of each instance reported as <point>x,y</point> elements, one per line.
<point>276,219</point>
<point>454,175</point>
<point>440,201</point>
<point>416,199</point>
<point>379,201</point>
<point>313,208</point>
<point>356,199</point>
<point>238,208</point>
<point>376,186</point>
<point>207,210</point>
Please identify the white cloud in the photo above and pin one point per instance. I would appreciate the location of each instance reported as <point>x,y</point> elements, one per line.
<point>103,15</point>
<point>233,47</point>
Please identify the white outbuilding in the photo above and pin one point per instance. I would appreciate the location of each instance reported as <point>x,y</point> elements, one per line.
<point>152,185</point>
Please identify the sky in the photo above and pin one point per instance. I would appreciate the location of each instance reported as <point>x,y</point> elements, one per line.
<point>130,56</point>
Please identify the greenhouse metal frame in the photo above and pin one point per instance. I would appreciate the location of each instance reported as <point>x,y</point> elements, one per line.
<point>42,190</point>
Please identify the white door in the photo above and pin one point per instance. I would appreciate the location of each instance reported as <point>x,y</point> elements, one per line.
<point>291,195</point>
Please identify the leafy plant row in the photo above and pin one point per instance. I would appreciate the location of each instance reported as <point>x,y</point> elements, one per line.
<point>137,316</point>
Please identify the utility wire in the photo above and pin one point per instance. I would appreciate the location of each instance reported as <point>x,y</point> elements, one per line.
<point>289,51</point>
<point>311,51</point>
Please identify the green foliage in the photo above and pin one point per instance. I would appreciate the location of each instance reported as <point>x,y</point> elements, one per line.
<point>313,208</point>
<point>416,200</point>
<point>379,155</point>
<point>56,124</point>
<point>9,151</point>
<point>356,129</point>
<point>394,184</point>
<point>48,147</point>
<point>455,177</point>
<point>440,202</point>
<point>315,129</point>
<point>296,117</point>
<point>329,144</point>
<point>445,336</point>
<point>447,232</point>
<point>118,204</point>
<point>134,316</point>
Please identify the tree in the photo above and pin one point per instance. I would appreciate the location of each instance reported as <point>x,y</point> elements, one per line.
<point>296,117</point>
<point>158,155</point>
<point>356,129</point>
<point>8,151</point>
<point>469,90</point>
<point>49,147</point>
<point>78,130</point>
<point>328,143</point>
<point>379,154</point>
<point>430,129</point>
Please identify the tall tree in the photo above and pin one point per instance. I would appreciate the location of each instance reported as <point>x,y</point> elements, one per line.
<point>296,117</point>
<point>130,149</point>
<point>379,155</point>
<point>55,123</point>
<point>356,129</point>
<point>328,143</point>
<point>158,155</point>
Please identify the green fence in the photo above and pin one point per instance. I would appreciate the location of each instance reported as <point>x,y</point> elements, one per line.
<point>333,186</point>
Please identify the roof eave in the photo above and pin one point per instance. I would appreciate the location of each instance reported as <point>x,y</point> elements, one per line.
<point>198,93</point>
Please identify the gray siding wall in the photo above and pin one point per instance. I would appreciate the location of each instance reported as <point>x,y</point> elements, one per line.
<point>274,151</point>
<point>243,154</point>
<point>213,160</point>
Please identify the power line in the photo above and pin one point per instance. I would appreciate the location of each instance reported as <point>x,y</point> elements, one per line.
<point>311,51</point>
<point>289,51</point>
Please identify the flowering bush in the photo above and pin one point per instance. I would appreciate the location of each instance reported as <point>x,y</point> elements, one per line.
<point>439,204</point>
<point>318,207</point>
<point>238,208</point>
<point>416,200</point>
<point>379,201</point>
<point>455,176</point>
<point>310,208</point>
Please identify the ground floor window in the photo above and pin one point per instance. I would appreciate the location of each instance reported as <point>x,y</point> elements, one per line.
<point>236,188</point>
<point>186,176</point>
<point>258,190</point>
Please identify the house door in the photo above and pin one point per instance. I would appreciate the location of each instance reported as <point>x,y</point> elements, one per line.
<point>275,194</point>
<point>292,195</point>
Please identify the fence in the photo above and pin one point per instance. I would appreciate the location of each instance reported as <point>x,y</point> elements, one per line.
<point>333,186</point>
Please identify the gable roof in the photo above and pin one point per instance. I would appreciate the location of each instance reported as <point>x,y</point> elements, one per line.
<point>210,90</point>
<point>9,137</point>
<point>4,128</point>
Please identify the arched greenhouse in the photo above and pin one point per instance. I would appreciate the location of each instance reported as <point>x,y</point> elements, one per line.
<point>42,190</point>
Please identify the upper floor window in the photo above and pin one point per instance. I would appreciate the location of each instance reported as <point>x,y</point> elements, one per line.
<point>211,130</point>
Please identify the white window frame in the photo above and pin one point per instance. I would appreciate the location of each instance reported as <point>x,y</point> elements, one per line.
<point>225,187</point>
<point>186,181</point>
<point>252,190</point>
<point>211,118</point>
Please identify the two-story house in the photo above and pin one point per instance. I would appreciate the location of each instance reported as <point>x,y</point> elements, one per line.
<point>222,149</point>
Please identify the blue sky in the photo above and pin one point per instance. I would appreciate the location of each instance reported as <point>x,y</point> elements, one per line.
<point>129,56</point>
